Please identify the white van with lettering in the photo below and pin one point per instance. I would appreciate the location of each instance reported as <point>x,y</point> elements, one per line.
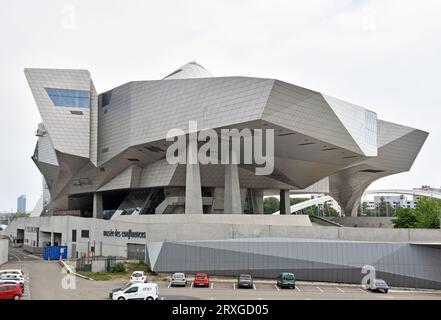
<point>137,291</point>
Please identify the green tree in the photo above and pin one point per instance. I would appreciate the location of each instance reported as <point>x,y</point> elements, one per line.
<point>270,205</point>
<point>293,201</point>
<point>428,213</point>
<point>404,218</point>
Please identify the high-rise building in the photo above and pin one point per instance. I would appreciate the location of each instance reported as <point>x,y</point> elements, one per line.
<point>21,204</point>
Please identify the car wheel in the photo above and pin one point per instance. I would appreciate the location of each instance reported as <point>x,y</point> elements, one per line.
<point>17,297</point>
<point>149,298</point>
<point>121,298</point>
<point>294,287</point>
<point>385,291</point>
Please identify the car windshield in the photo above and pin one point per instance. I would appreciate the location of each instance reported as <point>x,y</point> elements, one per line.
<point>380,281</point>
<point>137,275</point>
<point>288,277</point>
<point>245,276</point>
<point>125,287</point>
<point>200,277</point>
<point>179,275</point>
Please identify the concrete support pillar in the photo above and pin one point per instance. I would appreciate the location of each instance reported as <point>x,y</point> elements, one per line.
<point>257,200</point>
<point>98,205</point>
<point>232,198</point>
<point>284,202</point>
<point>193,192</point>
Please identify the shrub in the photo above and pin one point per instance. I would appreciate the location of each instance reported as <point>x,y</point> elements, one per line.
<point>118,267</point>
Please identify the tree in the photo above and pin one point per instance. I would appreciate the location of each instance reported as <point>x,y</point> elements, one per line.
<point>405,218</point>
<point>428,213</point>
<point>270,205</point>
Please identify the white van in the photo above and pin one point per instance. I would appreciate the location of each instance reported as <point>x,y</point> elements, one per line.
<point>137,291</point>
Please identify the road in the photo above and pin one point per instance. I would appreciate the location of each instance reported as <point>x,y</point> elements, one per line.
<point>46,280</point>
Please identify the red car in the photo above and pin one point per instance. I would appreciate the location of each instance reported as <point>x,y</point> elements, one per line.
<point>201,279</point>
<point>10,291</point>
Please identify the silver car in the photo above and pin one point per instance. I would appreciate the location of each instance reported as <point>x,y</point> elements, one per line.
<point>378,285</point>
<point>178,279</point>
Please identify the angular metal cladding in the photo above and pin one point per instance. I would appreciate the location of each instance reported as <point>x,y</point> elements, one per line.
<point>116,140</point>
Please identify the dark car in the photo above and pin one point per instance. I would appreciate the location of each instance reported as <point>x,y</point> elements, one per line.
<point>245,281</point>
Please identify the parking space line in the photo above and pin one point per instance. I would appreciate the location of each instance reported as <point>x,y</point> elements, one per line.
<point>363,290</point>
<point>298,289</point>
<point>191,286</point>
<point>212,284</point>
<point>339,289</point>
<point>320,289</point>
<point>169,284</point>
<point>254,286</point>
<point>277,287</point>
<point>162,298</point>
<point>234,286</point>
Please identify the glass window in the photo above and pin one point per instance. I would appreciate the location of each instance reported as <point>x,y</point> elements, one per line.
<point>84,233</point>
<point>371,127</point>
<point>105,98</point>
<point>69,98</point>
<point>132,290</point>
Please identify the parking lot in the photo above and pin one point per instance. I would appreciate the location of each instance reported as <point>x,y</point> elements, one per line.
<point>267,290</point>
<point>44,280</point>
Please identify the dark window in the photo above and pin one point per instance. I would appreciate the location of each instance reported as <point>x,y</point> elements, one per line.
<point>78,113</point>
<point>132,290</point>
<point>105,98</point>
<point>84,233</point>
<point>69,98</point>
<point>104,150</point>
<point>74,235</point>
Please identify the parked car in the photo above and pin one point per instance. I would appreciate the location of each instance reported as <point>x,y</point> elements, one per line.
<point>137,291</point>
<point>138,276</point>
<point>13,271</point>
<point>245,281</point>
<point>286,280</point>
<point>10,291</point>
<point>178,279</point>
<point>13,282</point>
<point>11,276</point>
<point>201,280</point>
<point>378,285</point>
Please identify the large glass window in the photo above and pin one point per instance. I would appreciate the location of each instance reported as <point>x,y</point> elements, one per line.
<point>69,98</point>
<point>371,127</point>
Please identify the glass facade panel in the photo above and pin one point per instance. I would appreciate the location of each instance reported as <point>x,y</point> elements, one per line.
<point>69,98</point>
<point>371,127</point>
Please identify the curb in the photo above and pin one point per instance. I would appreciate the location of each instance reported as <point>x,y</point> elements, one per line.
<point>69,270</point>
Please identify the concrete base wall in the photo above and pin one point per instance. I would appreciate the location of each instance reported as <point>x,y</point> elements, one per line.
<point>363,222</point>
<point>400,264</point>
<point>4,250</point>
<point>421,251</point>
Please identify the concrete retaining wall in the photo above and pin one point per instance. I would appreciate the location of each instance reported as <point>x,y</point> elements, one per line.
<point>363,222</point>
<point>4,250</point>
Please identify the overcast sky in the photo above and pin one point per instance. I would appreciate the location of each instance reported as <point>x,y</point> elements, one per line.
<point>383,55</point>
